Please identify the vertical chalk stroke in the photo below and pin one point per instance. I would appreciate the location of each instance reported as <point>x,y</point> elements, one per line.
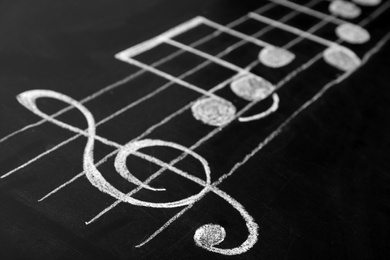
<point>206,236</point>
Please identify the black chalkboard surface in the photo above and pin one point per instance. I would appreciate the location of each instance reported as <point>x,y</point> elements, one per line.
<point>168,129</point>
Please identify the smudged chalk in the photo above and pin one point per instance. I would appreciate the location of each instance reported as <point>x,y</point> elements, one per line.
<point>209,235</point>
<point>251,88</point>
<point>367,2</point>
<point>341,58</point>
<point>352,33</point>
<point>275,57</point>
<point>344,9</point>
<point>213,111</point>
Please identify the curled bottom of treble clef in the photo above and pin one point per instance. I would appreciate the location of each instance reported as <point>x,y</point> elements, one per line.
<point>207,236</point>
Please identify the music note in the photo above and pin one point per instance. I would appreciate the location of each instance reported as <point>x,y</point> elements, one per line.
<point>205,235</point>
<point>214,110</point>
<point>210,108</point>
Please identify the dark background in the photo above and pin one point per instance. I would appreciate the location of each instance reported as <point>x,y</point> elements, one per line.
<point>320,190</point>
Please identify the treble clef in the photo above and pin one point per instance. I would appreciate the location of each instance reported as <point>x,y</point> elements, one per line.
<point>206,236</point>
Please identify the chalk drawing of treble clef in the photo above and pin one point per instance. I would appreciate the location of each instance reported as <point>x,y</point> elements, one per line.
<point>206,236</point>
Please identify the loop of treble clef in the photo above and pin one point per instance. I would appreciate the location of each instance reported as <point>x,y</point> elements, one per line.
<point>206,236</point>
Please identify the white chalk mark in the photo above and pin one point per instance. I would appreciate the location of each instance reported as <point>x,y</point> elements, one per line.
<point>81,132</point>
<point>199,143</point>
<point>367,2</point>
<point>149,44</point>
<point>270,110</point>
<point>317,96</point>
<point>250,224</point>
<point>274,57</point>
<point>235,33</point>
<point>148,131</point>
<point>40,156</point>
<point>311,30</point>
<point>209,235</point>
<point>28,100</point>
<point>140,72</point>
<point>375,14</point>
<point>212,133</point>
<point>263,8</point>
<point>210,246</point>
<point>169,77</point>
<point>214,112</point>
<point>144,134</point>
<point>336,55</point>
<point>341,58</point>
<point>95,177</point>
<point>176,216</point>
<point>352,33</point>
<point>252,88</point>
<point>206,56</point>
<point>285,18</point>
<point>66,183</point>
<point>134,75</point>
<point>344,9</point>
<point>277,131</point>
<point>98,93</point>
<point>106,119</point>
<point>291,29</point>
<point>274,134</point>
<point>305,9</point>
<point>85,100</point>
<point>292,14</point>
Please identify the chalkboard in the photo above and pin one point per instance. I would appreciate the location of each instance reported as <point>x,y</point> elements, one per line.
<point>168,129</point>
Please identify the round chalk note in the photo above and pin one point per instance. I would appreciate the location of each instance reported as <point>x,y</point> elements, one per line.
<point>213,111</point>
<point>209,235</point>
<point>367,2</point>
<point>344,9</point>
<point>275,57</point>
<point>352,33</point>
<point>341,58</point>
<point>251,88</point>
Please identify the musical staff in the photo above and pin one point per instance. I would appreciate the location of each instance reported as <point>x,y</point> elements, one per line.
<point>209,106</point>
<point>95,177</point>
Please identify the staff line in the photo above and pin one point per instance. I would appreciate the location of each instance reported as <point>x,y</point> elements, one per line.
<point>305,9</point>
<point>290,76</point>
<point>291,29</point>
<point>132,76</point>
<point>104,120</point>
<point>248,156</point>
<point>271,137</point>
<point>275,133</point>
<point>226,51</point>
<point>211,134</point>
<point>147,132</point>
